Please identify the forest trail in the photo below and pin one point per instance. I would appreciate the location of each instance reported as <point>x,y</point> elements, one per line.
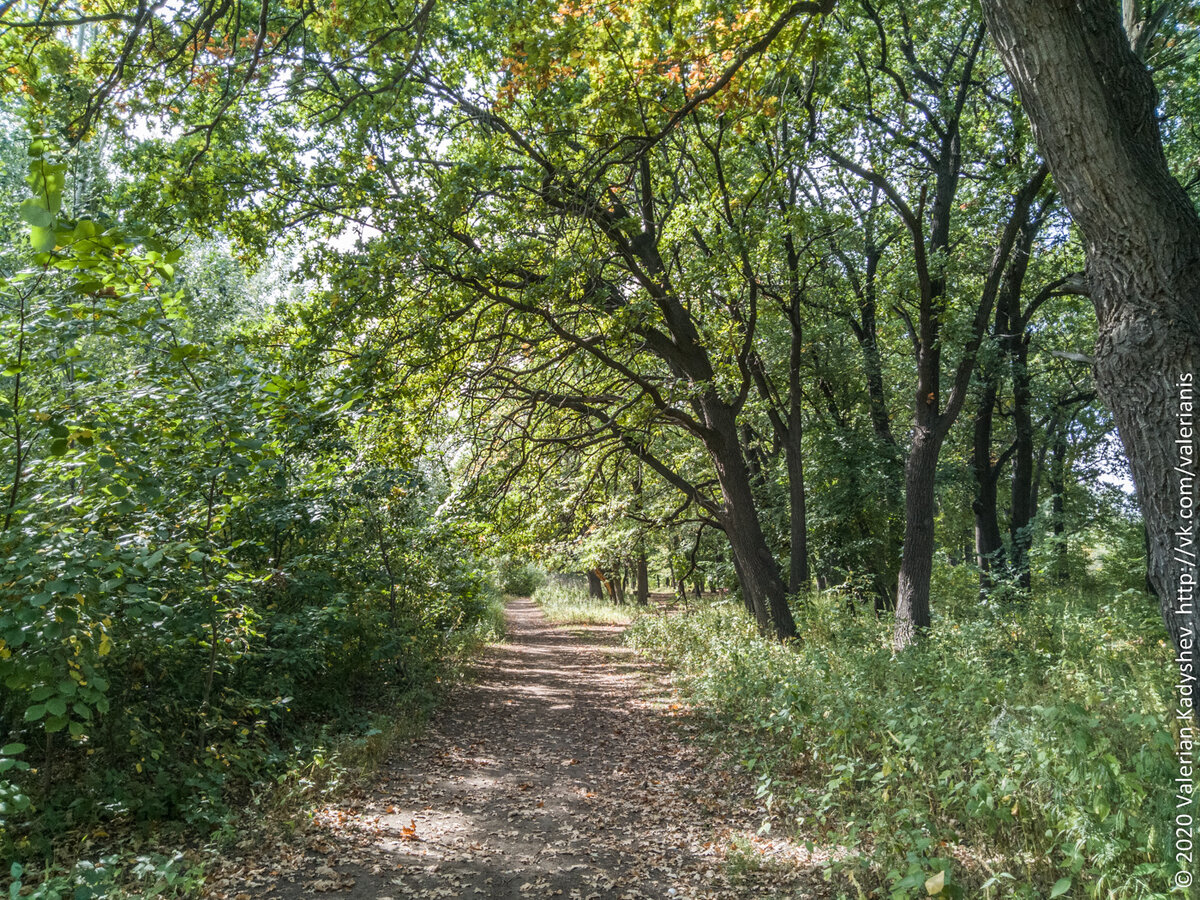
<point>562,770</point>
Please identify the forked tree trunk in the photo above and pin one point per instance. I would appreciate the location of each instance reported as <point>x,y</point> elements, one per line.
<point>762,586</point>
<point>1093,105</point>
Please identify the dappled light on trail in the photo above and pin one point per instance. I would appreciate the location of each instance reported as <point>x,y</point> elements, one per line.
<point>566,769</point>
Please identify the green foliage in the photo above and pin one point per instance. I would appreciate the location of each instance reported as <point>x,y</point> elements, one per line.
<point>518,577</point>
<point>1020,750</point>
<point>146,876</point>
<point>208,568</point>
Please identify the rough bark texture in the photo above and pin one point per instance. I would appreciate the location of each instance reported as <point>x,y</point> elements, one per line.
<point>1092,105</point>
<point>916,567</point>
<point>757,570</point>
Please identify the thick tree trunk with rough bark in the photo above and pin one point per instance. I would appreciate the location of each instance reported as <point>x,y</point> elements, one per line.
<point>1093,104</point>
<point>595,586</point>
<point>762,586</point>
<point>916,567</point>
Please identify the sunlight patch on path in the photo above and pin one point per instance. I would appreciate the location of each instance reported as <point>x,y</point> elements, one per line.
<point>564,771</point>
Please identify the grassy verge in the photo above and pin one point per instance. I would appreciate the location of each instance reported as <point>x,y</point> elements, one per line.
<point>571,606</point>
<point>1018,752</point>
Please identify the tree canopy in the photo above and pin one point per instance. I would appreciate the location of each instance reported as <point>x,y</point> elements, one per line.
<point>779,299</point>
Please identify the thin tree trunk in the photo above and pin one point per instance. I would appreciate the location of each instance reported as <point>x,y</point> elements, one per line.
<point>1058,487</point>
<point>798,574</point>
<point>989,545</point>
<point>1023,506</point>
<point>1014,324</point>
<point>643,579</point>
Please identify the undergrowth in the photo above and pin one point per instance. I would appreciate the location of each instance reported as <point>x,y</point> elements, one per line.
<point>565,605</point>
<point>1023,749</point>
<point>332,741</point>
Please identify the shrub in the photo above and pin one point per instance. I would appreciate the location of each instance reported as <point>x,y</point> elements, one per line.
<point>521,579</point>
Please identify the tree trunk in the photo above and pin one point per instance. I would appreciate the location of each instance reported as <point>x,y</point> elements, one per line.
<point>1015,325</point>
<point>916,564</point>
<point>595,588</point>
<point>1058,522</point>
<point>609,586</point>
<point>989,545</point>
<point>762,586</point>
<point>1093,106</point>
<point>1024,507</point>
<point>794,453</point>
<point>643,579</point>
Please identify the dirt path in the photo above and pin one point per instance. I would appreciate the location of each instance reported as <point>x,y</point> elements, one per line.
<point>562,770</point>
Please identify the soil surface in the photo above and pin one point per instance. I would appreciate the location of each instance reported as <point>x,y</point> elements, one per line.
<point>565,768</point>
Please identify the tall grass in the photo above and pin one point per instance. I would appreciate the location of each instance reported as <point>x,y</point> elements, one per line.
<point>1024,750</point>
<point>565,605</point>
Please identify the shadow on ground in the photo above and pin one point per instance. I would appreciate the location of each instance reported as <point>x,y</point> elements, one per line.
<point>562,770</point>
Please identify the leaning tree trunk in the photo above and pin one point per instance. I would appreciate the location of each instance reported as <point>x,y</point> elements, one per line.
<point>762,586</point>
<point>1092,105</point>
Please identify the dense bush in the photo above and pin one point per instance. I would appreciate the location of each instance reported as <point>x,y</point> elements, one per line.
<point>520,578</point>
<point>214,556</point>
<point>1024,750</point>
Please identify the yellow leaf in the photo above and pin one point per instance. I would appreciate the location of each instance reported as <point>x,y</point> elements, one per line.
<point>935,884</point>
